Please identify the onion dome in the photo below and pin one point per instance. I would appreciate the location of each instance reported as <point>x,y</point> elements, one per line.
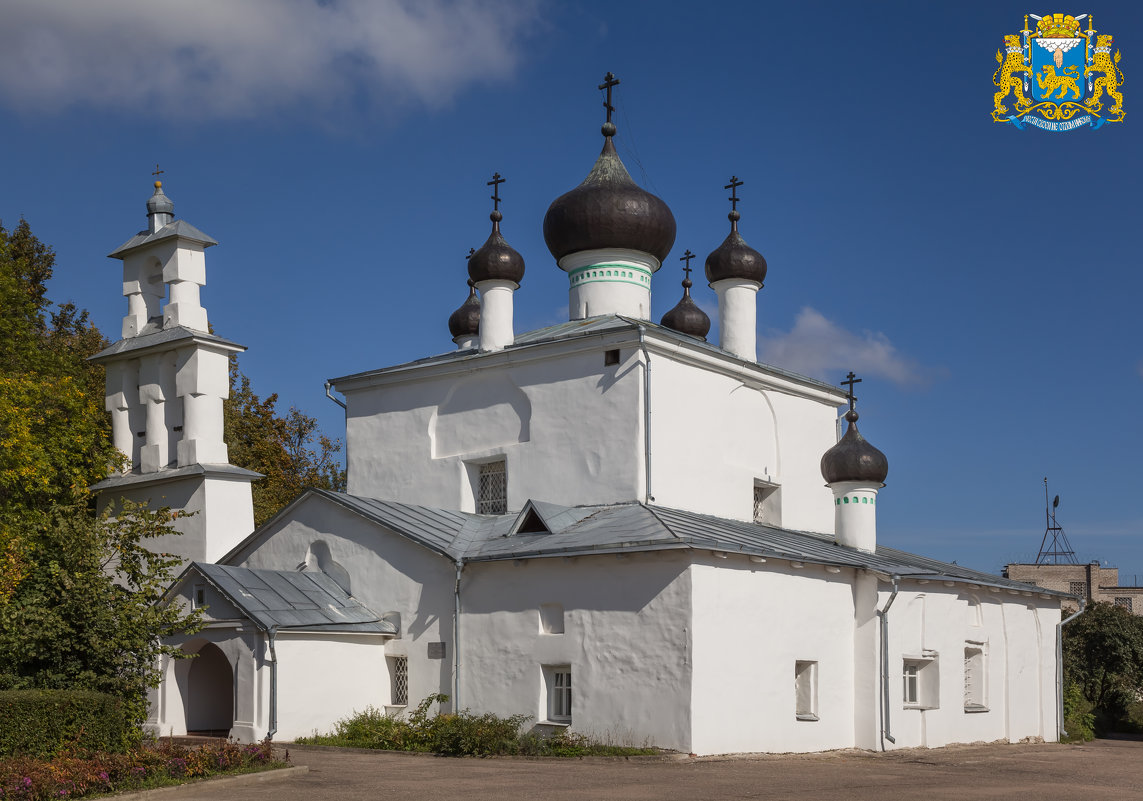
<point>609,210</point>
<point>734,258</point>
<point>853,458</point>
<point>687,317</point>
<point>159,203</point>
<point>496,260</point>
<point>465,321</point>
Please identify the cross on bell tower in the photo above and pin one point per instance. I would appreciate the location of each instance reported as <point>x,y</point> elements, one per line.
<point>849,381</point>
<point>687,258</point>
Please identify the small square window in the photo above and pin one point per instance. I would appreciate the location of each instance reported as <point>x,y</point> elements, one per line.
<point>398,680</point>
<point>806,690</point>
<point>610,357</point>
<point>559,688</point>
<point>551,618</point>
<point>492,490</point>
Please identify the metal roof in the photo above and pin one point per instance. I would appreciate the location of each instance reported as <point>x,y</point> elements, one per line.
<point>163,336</point>
<point>289,599</point>
<point>615,528</point>
<point>179,228</point>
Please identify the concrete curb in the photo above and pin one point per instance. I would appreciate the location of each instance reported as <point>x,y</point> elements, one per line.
<point>343,749</point>
<point>218,782</point>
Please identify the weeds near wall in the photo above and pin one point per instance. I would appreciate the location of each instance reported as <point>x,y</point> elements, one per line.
<point>460,734</point>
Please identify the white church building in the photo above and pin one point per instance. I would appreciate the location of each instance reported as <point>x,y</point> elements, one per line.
<point>539,523</point>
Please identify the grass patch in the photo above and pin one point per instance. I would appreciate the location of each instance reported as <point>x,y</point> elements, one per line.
<point>84,774</point>
<point>461,734</point>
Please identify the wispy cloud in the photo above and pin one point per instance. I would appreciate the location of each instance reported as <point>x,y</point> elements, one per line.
<point>241,59</point>
<point>817,347</point>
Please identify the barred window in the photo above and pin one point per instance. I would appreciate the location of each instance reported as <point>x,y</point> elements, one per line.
<point>492,492</point>
<point>399,679</point>
<point>1124,601</point>
<point>974,677</point>
<point>1078,588</point>
<point>767,504</point>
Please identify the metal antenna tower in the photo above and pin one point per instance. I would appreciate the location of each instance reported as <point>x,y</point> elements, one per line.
<point>1059,551</point>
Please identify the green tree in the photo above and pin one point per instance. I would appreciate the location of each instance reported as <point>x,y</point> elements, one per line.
<point>288,450</point>
<point>1103,656</point>
<point>85,614</point>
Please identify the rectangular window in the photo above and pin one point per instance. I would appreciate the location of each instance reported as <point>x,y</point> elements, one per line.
<point>1124,601</point>
<point>1078,588</point>
<point>974,677</point>
<point>921,682</point>
<point>199,596</point>
<point>767,504</point>
<point>551,618</point>
<point>806,690</point>
<point>492,491</point>
<point>399,680</point>
<point>559,686</point>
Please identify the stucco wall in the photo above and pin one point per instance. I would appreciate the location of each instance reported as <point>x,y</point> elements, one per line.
<point>752,622</point>
<point>626,639</point>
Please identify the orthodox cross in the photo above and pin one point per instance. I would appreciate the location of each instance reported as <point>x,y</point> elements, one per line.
<point>687,258</point>
<point>733,187</point>
<point>850,381</point>
<point>470,252</point>
<point>609,80</point>
<point>158,171</point>
<point>495,184</point>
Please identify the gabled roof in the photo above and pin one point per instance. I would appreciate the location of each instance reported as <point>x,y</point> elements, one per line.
<point>288,599</point>
<point>179,228</point>
<point>617,528</point>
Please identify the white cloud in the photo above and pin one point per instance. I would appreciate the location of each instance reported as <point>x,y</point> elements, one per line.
<point>244,58</point>
<point>819,347</point>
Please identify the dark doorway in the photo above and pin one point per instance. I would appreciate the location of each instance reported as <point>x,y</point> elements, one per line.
<point>210,700</point>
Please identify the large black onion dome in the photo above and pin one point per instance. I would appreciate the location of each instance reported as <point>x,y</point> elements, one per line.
<point>496,260</point>
<point>735,259</point>
<point>465,321</point>
<point>853,458</point>
<point>609,210</point>
<point>159,203</point>
<point>687,317</point>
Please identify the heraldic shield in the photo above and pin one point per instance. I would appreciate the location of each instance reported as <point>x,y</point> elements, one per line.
<point>1057,68</point>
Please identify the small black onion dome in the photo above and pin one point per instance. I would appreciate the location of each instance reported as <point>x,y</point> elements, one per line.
<point>609,210</point>
<point>159,203</point>
<point>853,458</point>
<point>687,317</point>
<point>496,260</point>
<point>734,258</point>
<point>465,321</point>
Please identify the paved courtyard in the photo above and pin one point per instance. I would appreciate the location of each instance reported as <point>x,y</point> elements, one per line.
<point>1104,769</point>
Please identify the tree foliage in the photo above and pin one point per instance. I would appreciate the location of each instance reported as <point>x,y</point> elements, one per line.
<point>288,450</point>
<point>84,615</point>
<point>1103,656</point>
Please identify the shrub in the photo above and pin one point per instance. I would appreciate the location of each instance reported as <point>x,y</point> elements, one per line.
<point>1079,720</point>
<point>41,723</point>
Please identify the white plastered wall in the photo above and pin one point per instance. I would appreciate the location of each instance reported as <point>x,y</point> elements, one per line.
<point>626,639</point>
<point>751,623</point>
<point>412,441</point>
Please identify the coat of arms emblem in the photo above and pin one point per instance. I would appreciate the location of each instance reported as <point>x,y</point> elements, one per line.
<point>1058,76</point>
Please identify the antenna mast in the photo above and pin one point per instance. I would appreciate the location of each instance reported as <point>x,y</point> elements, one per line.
<point>1059,551</point>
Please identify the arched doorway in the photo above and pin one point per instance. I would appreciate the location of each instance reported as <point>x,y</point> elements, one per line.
<point>210,695</point>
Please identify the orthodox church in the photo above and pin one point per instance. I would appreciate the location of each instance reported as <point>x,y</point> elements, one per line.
<point>527,531</point>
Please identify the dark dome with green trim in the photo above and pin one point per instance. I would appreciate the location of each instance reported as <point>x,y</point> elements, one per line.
<point>853,458</point>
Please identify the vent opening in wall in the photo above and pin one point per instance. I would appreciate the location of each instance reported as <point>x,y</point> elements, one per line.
<point>767,503</point>
<point>551,618</point>
<point>610,357</point>
<point>492,488</point>
<point>199,596</point>
<point>806,690</point>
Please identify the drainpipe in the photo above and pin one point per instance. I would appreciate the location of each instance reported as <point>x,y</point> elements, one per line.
<point>883,615</point>
<point>1060,668</point>
<point>271,634</point>
<point>649,498</point>
<point>456,639</point>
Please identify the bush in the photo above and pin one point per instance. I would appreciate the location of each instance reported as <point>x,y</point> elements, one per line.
<point>42,723</point>
<point>1079,720</point>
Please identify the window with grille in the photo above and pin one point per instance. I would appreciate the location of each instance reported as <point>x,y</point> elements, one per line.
<point>1125,602</point>
<point>1078,588</point>
<point>767,504</point>
<point>558,680</point>
<point>492,490</point>
<point>806,690</point>
<point>399,679</point>
<point>974,679</point>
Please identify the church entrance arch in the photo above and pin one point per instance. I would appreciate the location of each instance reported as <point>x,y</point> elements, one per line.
<point>210,693</point>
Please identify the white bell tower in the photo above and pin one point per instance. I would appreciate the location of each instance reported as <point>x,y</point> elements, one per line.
<point>166,381</point>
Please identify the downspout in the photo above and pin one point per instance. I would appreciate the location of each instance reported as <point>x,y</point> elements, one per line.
<point>271,634</point>
<point>883,615</point>
<point>648,497</point>
<point>1060,668</point>
<point>456,639</point>
<point>329,395</point>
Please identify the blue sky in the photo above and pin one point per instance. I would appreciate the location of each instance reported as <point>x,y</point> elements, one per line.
<point>984,281</point>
